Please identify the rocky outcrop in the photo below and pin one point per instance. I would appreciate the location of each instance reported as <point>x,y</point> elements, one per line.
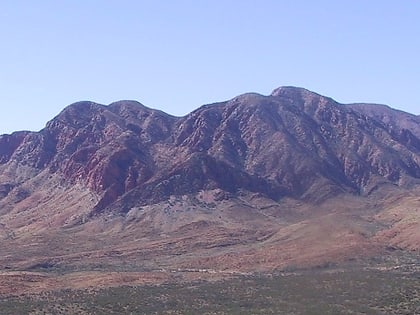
<point>291,143</point>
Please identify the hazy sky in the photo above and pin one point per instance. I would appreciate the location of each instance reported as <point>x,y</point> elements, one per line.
<point>176,55</point>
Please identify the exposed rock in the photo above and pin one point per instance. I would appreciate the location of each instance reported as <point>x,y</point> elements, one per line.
<point>291,143</point>
<point>255,183</point>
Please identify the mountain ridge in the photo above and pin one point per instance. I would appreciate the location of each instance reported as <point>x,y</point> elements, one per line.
<point>255,183</point>
<point>293,117</point>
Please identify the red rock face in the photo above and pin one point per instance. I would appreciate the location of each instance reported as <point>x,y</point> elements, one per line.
<point>9,144</point>
<point>291,143</point>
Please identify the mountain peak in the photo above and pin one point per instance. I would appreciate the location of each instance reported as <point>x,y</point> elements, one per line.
<point>290,90</point>
<point>298,93</point>
<point>273,173</point>
<point>261,137</point>
<point>82,107</point>
<point>78,114</point>
<point>126,105</point>
<point>278,140</point>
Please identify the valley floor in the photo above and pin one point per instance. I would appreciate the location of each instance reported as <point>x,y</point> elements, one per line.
<point>383,287</point>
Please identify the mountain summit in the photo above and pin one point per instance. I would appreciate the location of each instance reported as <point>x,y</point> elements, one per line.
<point>246,167</point>
<point>292,143</point>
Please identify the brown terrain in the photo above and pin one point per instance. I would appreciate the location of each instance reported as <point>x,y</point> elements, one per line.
<point>124,194</point>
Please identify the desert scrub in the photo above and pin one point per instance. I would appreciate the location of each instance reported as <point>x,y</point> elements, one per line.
<point>311,292</point>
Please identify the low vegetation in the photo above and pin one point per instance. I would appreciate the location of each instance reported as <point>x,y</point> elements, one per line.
<point>319,291</point>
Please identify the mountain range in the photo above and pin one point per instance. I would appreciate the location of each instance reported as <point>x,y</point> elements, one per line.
<point>255,183</point>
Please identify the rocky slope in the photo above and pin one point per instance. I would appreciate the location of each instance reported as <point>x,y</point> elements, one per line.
<point>269,176</point>
<point>291,143</point>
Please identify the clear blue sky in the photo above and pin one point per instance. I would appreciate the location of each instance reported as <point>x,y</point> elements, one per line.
<point>176,55</point>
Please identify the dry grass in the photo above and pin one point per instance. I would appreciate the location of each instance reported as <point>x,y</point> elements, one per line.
<point>323,291</point>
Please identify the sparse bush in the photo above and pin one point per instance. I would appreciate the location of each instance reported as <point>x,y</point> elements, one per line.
<point>358,291</point>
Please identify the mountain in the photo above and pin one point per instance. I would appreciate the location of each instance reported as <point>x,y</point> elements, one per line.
<point>254,183</point>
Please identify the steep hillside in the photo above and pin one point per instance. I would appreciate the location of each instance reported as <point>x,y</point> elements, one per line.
<point>253,183</point>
